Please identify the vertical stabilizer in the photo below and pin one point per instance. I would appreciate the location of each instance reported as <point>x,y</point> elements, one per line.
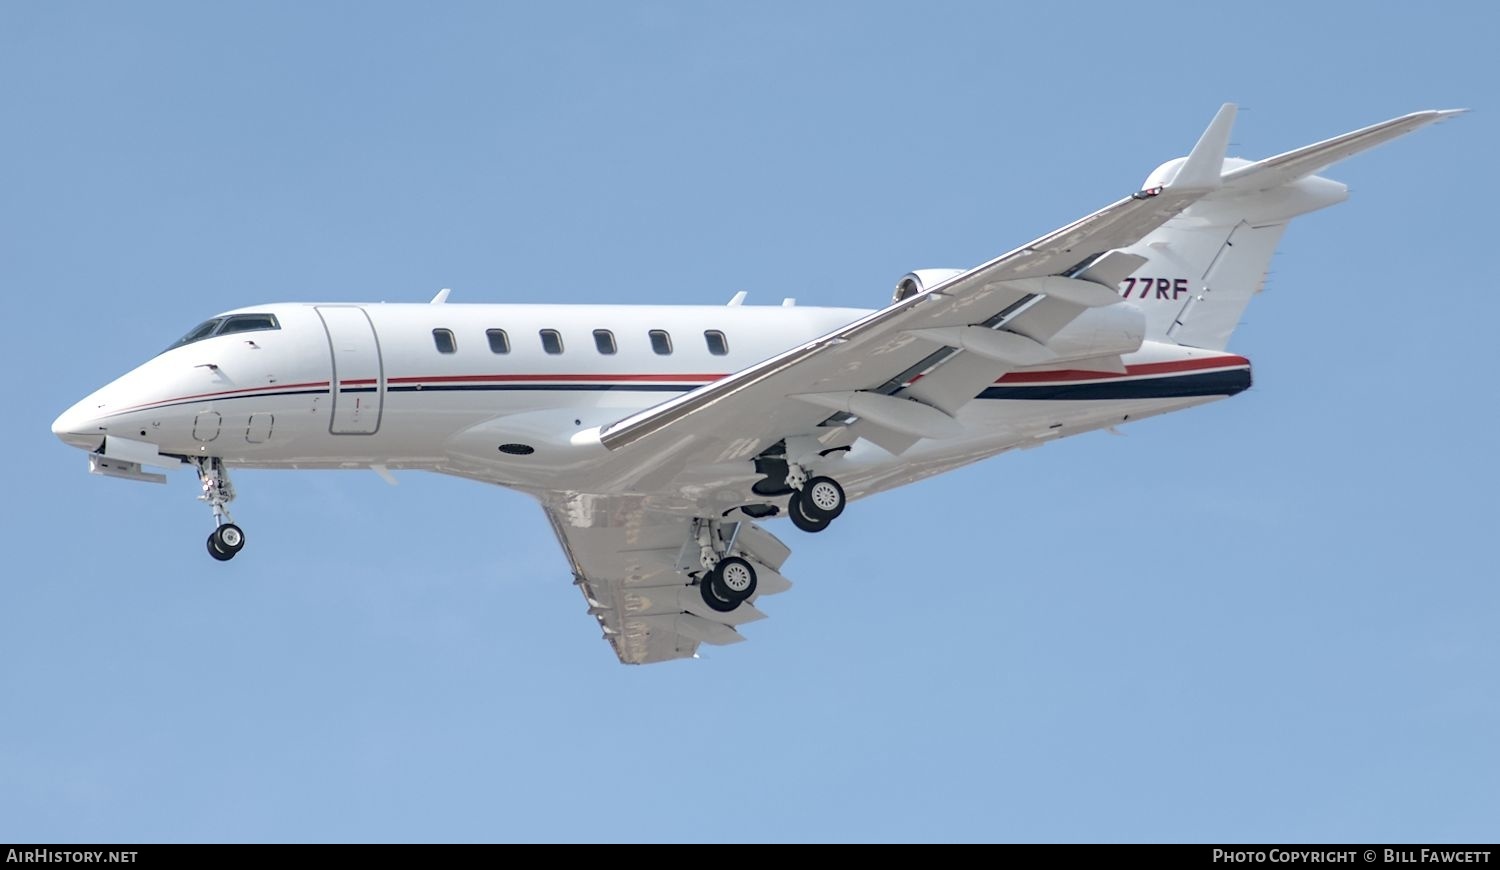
<point>1202,168</point>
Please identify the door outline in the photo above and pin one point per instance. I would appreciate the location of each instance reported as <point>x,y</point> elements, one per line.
<point>333,380</point>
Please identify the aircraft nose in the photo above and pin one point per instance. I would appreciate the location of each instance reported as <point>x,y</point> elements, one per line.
<point>78,427</point>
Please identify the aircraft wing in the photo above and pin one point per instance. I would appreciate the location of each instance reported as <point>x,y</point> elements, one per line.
<point>626,540</point>
<point>862,372</point>
<point>627,561</point>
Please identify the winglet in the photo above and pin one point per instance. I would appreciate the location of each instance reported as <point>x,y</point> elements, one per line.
<point>1201,169</point>
<point>442,296</point>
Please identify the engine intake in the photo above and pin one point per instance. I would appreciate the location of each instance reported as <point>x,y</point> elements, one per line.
<point>917,281</point>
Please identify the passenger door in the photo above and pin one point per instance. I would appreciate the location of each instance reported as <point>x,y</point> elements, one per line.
<point>357,382</point>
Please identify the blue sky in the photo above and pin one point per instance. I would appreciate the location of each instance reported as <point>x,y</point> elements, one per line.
<point>1272,618</point>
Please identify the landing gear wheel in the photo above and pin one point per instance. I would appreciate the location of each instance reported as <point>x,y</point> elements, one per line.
<point>225,541</point>
<point>801,519</point>
<point>714,595</point>
<point>734,578</point>
<point>213,549</point>
<point>822,497</point>
<point>231,537</point>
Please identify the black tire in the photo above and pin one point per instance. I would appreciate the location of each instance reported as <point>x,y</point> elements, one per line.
<point>734,578</point>
<point>713,594</point>
<point>213,548</point>
<point>230,538</point>
<point>822,497</point>
<point>801,520</point>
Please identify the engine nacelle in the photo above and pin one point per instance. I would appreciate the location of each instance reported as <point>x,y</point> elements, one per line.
<point>915,282</point>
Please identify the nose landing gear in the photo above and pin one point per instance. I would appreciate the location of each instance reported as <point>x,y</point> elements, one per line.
<point>227,539</point>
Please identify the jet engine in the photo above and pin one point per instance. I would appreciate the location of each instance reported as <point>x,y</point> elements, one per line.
<point>915,282</point>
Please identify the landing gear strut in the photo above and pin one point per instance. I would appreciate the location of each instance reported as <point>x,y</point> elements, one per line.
<point>726,580</point>
<point>227,538</point>
<point>813,500</point>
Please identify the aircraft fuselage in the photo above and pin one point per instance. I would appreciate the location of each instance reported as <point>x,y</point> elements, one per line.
<point>498,391</point>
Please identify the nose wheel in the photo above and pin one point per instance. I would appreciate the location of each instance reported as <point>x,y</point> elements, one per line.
<point>227,539</point>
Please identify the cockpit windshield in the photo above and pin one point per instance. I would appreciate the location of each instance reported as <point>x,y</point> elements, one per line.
<point>227,325</point>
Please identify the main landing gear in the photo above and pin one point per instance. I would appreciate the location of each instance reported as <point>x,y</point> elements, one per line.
<point>726,580</point>
<point>227,538</point>
<point>816,501</point>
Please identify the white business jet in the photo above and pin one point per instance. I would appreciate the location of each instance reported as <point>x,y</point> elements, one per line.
<point>655,437</point>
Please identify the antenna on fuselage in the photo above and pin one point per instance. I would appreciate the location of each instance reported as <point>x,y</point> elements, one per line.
<point>442,296</point>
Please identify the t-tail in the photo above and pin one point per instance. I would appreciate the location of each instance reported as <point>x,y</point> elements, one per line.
<point>1203,266</point>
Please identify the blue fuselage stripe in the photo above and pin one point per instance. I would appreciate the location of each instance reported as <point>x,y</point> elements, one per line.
<point>1223,383</point>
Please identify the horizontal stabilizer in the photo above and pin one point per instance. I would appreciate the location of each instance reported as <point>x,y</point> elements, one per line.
<point>1300,162</point>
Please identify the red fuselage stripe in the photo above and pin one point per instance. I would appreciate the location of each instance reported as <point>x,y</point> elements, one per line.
<point>531,378</point>
<point>248,390</point>
<point>1056,376</point>
<point>1161,368</point>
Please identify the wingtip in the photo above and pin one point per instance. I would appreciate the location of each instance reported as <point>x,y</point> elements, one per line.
<point>1430,116</point>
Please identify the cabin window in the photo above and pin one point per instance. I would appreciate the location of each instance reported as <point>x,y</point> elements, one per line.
<point>552,341</point>
<point>444,340</point>
<point>499,341</point>
<point>604,340</point>
<point>661,342</point>
<point>718,345</point>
